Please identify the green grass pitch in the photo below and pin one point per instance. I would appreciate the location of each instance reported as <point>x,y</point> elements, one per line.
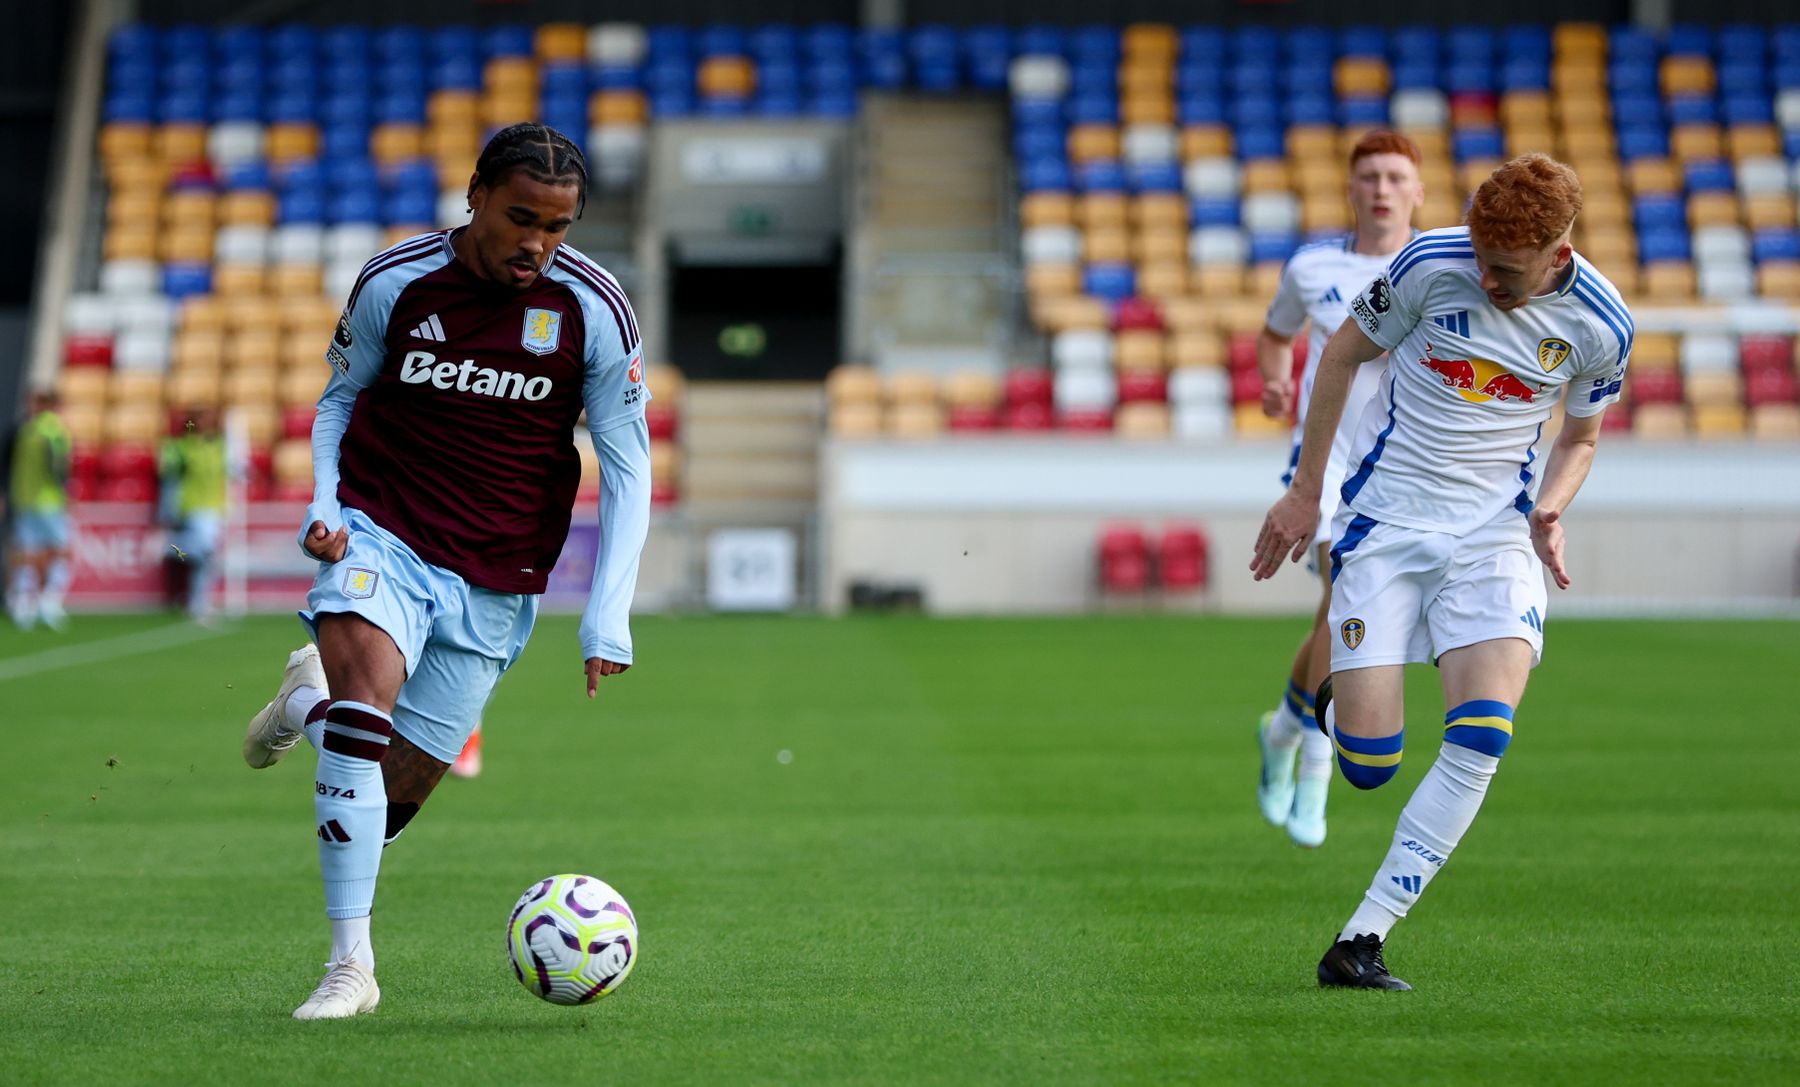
<point>1020,851</point>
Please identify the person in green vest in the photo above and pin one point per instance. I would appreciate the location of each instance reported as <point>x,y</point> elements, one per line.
<point>38,492</point>
<point>192,468</point>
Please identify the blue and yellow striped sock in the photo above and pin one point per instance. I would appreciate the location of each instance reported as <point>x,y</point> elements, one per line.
<point>1299,702</point>
<point>1482,725</point>
<point>1369,761</point>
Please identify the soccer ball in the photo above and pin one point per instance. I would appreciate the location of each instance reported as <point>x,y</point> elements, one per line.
<point>572,939</point>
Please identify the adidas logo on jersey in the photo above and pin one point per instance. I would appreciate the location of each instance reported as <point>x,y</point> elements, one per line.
<point>430,329</point>
<point>1457,322</point>
<point>423,368</point>
<point>1331,296</point>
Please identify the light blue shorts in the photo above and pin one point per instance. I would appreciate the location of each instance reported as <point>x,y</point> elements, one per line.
<point>457,639</point>
<point>198,535</point>
<point>40,530</point>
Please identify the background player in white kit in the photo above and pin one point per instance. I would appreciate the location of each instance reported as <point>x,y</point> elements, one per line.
<point>1316,287</point>
<point>1485,326</point>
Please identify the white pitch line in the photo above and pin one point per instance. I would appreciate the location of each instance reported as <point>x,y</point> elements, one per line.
<point>121,645</point>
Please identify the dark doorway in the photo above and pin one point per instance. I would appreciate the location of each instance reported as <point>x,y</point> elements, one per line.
<point>756,323</point>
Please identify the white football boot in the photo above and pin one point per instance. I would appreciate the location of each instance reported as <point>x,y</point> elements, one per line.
<point>1275,789</point>
<point>268,738</point>
<point>348,989</point>
<point>1306,823</point>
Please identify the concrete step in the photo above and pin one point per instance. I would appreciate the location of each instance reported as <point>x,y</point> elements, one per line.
<point>764,475</point>
<point>753,400</point>
<point>727,435</point>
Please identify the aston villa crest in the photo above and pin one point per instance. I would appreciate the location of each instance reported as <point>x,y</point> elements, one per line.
<point>543,329</point>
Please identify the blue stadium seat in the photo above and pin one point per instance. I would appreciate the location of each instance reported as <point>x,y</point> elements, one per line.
<point>345,106</point>
<point>1199,77</point>
<point>1042,39</point>
<point>189,74</point>
<point>184,40</point>
<point>933,43</point>
<point>1035,140</point>
<point>1742,41</point>
<point>1307,79</point>
<point>1265,247</point>
<point>293,107</point>
<point>1363,111</point>
<point>1260,143</point>
<point>1786,74</point>
<point>1470,44</point>
<point>834,41</point>
<point>1310,46</point>
<point>357,172</point>
<point>237,41</point>
<point>302,206</point>
<point>1100,175</point>
<point>1631,43</point>
<point>401,76</point>
<point>507,40</point>
<point>454,42</point>
<point>1749,109</point>
<point>1790,144</point>
<point>293,77</point>
<point>237,106</point>
<point>833,103</point>
<point>1775,244</point>
<point>300,176</point>
<point>347,72</point>
<point>564,79</point>
<point>134,40</point>
<point>1525,74</point>
<point>398,42</point>
<point>347,41</point>
<point>1689,40</point>
<point>1643,141</point>
<point>1256,43</point>
<point>1526,43</point>
<point>129,107</point>
<point>1037,111</point>
<point>721,40</point>
<point>725,105</point>
<point>939,76</point>
<point>1093,77</point>
<point>1113,282</point>
<point>1154,176</point>
<point>778,103</point>
<point>672,101</point>
<point>181,280</point>
<point>1213,211</point>
<point>1637,110</point>
<point>833,75</point>
<point>1311,109</point>
<point>1204,45</point>
<point>342,139</point>
<point>240,75</point>
<point>1659,211</point>
<point>406,206</point>
<point>1633,77</point>
<point>1093,109</point>
<point>455,74</point>
<point>669,41</point>
<point>670,74</point>
<point>1417,75</point>
<point>775,41</point>
<point>617,77</point>
<point>1255,111</point>
<point>883,55</point>
<point>245,175</point>
<point>135,74</point>
<point>1369,42</point>
<point>182,109</point>
<point>1045,175</point>
<point>1709,175</point>
<point>401,107</point>
<point>1477,143</point>
<point>1693,109</point>
<point>1472,77</point>
<point>990,39</point>
<point>1416,43</point>
<point>1095,41</point>
<point>412,175</point>
<point>778,77</point>
<point>358,206</point>
<point>1254,76</point>
<point>1663,244</point>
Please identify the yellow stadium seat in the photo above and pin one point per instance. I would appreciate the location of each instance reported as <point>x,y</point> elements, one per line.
<point>1263,279</point>
<point>1106,245</point>
<point>292,142</point>
<point>1142,421</point>
<point>1046,209</point>
<point>665,461</point>
<point>129,242</point>
<point>1655,351</point>
<point>136,423</point>
<point>83,385</point>
<point>290,280</point>
<point>1720,420</point>
<point>311,318</point>
<point>199,350</point>
<point>1659,422</point>
<point>1190,314</point>
<point>1614,253</point>
<point>261,422</point>
<point>1215,280</point>
<point>293,461</point>
<point>972,389</point>
<point>1438,209</point>
<point>1052,279</point>
<point>454,139</point>
<point>499,110</point>
<point>1525,108</point>
<point>1159,246</point>
<point>253,349</point>
<point>1667,281</point>
<point>1076,312</point>
<point>510,76</point>
<point>1431,142</point>
<point>251,385</point>
<point>1588,143</point>
<point>86,422</point>
<point>180,143</point>
<point>135,387</point>
<point>1524,139</point>
<point>1361,76</point>
<point>1653,175</point>
<point>202,313</point>
<point>852,384</point>
<point>855,421</point>
<point>1250,422</point>
<point>247,207</point>
<point>1138,349</point>
<point>1583,111</point>
<point>911,388</point>
<point>1322,215</point>
<point>235,279</point>
<point>136,173</point>
<point>395,142</point>
<point>1312,143</point>
<point>1708,390</point>
<point>726,77</point>
<point>252,313</point>
<point>193,389</point>
<point>301,352</point>
<point>1150,41</point>
<point>1579,39</point>
<point>1687,75</point>
<point>1473,172</point>
<point>1093,141</point>
<point>1202,347</point>
<point>915,420</point>
<point>302,385</point>
<point>1745,141</point>
<point>560,42</point>
<point>133,206</point>
<point>1779,280</point>
<point>186,246</point>
<point>454,170</point>
<point>666,383</point>
<point>1163,279</point>
<point>1160,211</point>
<point>1102,211</point>
<point>1769,211</point>
<point>1203,140</point>
<point>1775,422</point>
<point>452,107</point>
<point>1603,210</point>
<point>1266,175</point>
<point>1579,78</point>
<point>123,139</point>
<point>1435,172</point>
<point>1148,109</point>
<point>1701,141</point>
<point>189,208</point>
<point>617,108</point>
<point>1712,209</point>
<point>1145,78</point>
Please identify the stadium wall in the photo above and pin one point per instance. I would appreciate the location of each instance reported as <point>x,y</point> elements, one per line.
<point>1011,525</point>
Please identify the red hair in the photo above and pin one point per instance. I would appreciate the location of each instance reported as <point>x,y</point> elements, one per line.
<point>1528,203</point>
<point>1384,141</point>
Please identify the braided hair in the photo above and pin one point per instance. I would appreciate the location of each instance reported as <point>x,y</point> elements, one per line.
<point>545,155</point>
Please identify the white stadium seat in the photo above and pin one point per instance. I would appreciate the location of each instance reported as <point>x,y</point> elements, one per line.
<point>89,315</point>
<point>1192,386</point>
<point>125,277</point>
<point>1083,349</point>
<point>1709,353</point>
<point>1726,280</point>
<point>1721,243</point>
<point>341,276</point>
<point>1787,108</point>
<point>1762,175</point>
<point>1086,390</point>
<point>617,44</point>
<point>142,350</point>
<point>1421,108</point>
<point>617,154</point>
<point>298,243</point>
<point>452,208</point>
<point>1051,245</point>
<point>242,243</point>
<point>232,143</point>
<point>1201,422</point>
<point>1147,143</point>
<point>1219,245</point>
<point>1212,175</point>
<point>1276,212</point>
<point>150,311</point>
<point>1039,76</point>
<point>352,242</point>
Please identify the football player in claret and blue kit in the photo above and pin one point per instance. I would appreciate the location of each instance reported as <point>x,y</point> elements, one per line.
<point>444,481</point>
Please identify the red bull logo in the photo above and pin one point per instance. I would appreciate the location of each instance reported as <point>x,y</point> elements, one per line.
<point>1479,380</point>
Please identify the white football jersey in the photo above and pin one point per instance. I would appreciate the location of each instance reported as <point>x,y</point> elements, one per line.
<point>1317,285</point>
<point>1451,440</point>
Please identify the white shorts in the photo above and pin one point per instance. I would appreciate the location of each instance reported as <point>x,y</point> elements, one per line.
<point>1404,595</point>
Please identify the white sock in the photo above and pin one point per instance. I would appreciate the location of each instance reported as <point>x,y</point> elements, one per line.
<point>56,585</point>
<point>1285,728</point>
<point>300,706</point>
<point>1315,755</point>
<point>21,595</point>
<point>350,940</point>
<point>1432,823</point>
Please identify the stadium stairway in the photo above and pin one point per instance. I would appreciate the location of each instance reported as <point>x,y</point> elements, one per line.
<point>932,243</point>
<point>751,449</point>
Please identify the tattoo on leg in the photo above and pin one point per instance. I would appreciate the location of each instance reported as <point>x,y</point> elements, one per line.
<point>410,773</point>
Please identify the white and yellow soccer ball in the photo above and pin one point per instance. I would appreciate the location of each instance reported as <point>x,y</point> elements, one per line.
<point>572,939</point>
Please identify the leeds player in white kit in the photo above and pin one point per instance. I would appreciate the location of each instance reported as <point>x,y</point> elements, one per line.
<point>1316,288</point>
<point>1440,548</point>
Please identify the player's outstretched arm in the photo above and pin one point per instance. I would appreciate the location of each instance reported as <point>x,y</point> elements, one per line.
<point>1570,459</point>
<point>1289,526</point>
<point>1274,357</point>
<point>624,451</point>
